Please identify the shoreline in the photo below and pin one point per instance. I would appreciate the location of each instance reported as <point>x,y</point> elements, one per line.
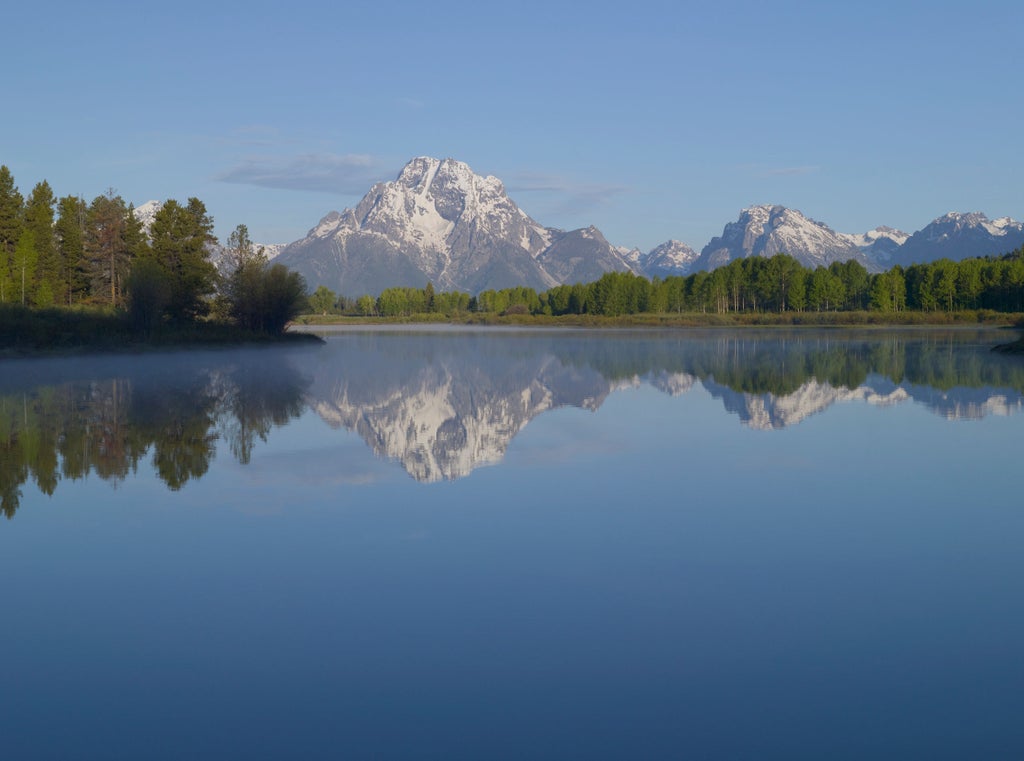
<point>969,319</point>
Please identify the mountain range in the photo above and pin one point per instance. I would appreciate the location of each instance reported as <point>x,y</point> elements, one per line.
<point>440,222</point>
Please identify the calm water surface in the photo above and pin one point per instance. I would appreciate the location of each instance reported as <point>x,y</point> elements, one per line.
<point>506,544</point>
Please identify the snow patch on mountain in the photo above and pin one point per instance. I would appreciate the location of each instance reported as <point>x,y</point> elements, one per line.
<point>767,230</point>
<point>440,222</point>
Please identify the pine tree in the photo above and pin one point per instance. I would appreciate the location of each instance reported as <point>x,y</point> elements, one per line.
<point>70,234</point>
<point>39,220</point>
<point>11,203</point>
<point>106,255</point>
<point>180,238</point>
<point>136,243</point>
<point>11,209</point>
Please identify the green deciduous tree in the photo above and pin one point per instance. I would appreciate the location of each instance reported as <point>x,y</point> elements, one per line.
<point>24,265</point>
<point>323,299</point>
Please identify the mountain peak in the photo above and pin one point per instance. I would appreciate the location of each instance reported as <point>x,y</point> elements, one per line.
<point>959,235</point>
<point>767,229</point>
<point>439,221</point>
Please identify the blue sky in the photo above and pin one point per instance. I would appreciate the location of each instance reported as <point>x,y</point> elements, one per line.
<point>650,120</point>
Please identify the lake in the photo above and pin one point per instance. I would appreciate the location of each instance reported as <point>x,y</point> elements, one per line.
<point>496,543</point>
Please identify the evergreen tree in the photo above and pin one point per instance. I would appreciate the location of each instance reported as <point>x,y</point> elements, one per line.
<point>107,258</point>
<point>40,221</point>
<point>136,244</point>
<point>72,283</point>
<point>179,240</point>
<point>11,203</point>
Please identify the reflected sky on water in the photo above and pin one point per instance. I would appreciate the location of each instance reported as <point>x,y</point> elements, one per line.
<point>508,544</point>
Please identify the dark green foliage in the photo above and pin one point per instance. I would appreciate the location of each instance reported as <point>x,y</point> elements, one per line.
<point>149,292</point>
<point>39,219</point>
<point>71,284</point>
<point>284,297</point>
<point>107,257</point>
<point>264,298</point>
<point>67,428</point>
<point>179,240</point>
<point>752,286</point>
<point>11,203</point>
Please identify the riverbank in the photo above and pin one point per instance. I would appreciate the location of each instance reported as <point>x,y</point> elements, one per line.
<point>29,332</point>
<point>985,318</point>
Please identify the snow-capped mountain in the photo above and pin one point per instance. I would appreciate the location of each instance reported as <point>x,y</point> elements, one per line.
<point>959,236</point>
<point>769,230</point>
<point>672,257</point>
<point>146,212</point>
<point>879,245</point>
<point>440,222</point>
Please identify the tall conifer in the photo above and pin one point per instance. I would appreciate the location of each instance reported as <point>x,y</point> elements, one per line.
<point>70,233</point>
<point>39,220</point>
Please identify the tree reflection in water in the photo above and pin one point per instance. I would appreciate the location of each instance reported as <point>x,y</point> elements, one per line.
<point>63,423</point>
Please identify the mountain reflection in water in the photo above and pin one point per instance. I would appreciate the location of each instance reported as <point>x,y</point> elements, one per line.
<point>444,402</point>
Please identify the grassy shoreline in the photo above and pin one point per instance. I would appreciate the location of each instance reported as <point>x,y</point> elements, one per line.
<point>56,332</point>
<point>973,318</point>
<point>49,332</point>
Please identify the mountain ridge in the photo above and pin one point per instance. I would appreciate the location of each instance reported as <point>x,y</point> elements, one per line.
<point>439,222</point>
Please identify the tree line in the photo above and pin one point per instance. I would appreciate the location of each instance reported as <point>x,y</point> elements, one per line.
<point>67,252</point>
<point>757,284</point>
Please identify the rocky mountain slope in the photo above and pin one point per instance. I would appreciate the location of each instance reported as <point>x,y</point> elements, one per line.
<point>440,222</point>
<point>769,230</point>
<point>959,236</point>
<point>672,257</point>
<point>878,245</point>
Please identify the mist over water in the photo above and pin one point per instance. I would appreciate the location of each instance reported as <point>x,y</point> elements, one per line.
<point>414,543</point>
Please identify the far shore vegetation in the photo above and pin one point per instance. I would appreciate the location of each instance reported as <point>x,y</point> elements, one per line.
<point>757,291</point>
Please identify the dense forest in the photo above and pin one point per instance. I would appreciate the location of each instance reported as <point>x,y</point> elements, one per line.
<point>65,252</point>
<point>778,284</point>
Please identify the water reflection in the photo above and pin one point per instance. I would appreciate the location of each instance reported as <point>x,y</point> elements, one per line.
<point>64,419</point>
<point>444,403</point>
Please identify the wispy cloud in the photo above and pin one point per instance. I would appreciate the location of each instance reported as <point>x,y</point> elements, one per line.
<point>564,196</point>
<point>348,174</point>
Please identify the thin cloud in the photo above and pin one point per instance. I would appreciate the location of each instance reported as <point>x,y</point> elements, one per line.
<point>349,174</point>
<point>565,196</point>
